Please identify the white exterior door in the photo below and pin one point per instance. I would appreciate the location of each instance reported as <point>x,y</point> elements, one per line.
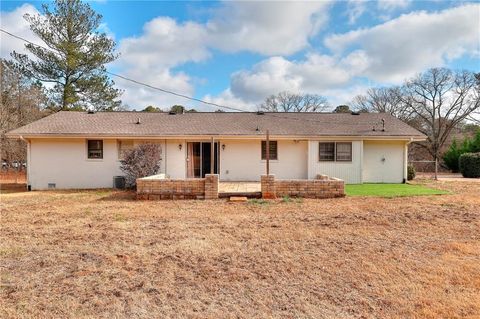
<point>383,161</point>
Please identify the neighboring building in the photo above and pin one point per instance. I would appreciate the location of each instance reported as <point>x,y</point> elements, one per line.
<point>83,150</point>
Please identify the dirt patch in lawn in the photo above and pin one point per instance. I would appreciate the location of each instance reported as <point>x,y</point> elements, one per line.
<point>103,254</point>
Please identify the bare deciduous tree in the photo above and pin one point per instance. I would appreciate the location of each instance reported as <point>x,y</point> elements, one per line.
<point>294,102</point>
<point>475,116</point>
<point>141,161</point>
<point>22,101</point>
<point>441,99</point>
<point>383,100</point>
<point>435,102</point>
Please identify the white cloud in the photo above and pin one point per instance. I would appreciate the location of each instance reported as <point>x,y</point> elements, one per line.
<point>138,97</point>
<point>315,74</point>
<point>150,58</point>
<point>164,43</point>
<point>228,99</point>
<point>13,22</point>
<point>265,27</point>
<point>387,53</point>
<point>391,5</point>
<point>413,42</point>
<point>241,26</point>
<point>355,9</point>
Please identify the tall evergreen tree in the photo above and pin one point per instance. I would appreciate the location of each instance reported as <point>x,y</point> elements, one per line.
<point>75,59</point>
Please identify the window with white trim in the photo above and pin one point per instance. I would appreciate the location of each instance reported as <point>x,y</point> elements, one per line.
<point>335,151</point>
<point>94,149</point>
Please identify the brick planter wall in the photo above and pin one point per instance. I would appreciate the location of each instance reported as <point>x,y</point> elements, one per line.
<point>211,186</point>
<point>152,188</point>
<point>323,187</point>
<point>268,186</point>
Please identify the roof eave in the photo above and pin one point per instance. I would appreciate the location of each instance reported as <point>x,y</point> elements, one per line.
<point>413,138</point>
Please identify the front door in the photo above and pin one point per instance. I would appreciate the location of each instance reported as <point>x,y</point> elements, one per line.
<point>199,156</point>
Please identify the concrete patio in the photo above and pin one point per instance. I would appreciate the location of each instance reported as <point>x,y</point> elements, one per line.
<point>239,187</point>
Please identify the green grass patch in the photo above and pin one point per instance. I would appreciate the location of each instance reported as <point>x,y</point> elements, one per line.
<point>288,199</point>
<point>258,201</point>
<point>390,190</point>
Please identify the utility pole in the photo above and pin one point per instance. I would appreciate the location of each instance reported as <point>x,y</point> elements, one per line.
<point>267,146</point>
<point>212,157</point>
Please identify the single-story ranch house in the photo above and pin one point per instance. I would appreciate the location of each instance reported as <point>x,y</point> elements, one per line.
<point>83,149</point>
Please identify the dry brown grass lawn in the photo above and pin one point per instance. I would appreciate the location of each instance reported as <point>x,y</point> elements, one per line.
<point>103,254</point>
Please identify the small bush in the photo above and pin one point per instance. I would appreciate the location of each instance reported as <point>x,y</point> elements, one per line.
<point>411,173</point>
<point>141,161</point>
<point>470,165</point>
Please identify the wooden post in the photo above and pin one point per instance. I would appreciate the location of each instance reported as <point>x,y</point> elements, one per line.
<point>267,146</point>
<point>212,157</point>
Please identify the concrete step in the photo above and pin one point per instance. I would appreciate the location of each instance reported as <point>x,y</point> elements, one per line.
<point>240,194</point>
<point>238,199</point>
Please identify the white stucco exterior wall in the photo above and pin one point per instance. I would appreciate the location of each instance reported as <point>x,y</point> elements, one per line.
<point>384,161</point>
<point>65,163</point>
<point>241,160</point>
<point>350,172</point>
<point>175,165</point>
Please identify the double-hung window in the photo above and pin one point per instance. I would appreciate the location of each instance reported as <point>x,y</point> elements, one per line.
<point>343,152</point>
<point>335,151</point>
<point>95,149</point>
<point>327,152</point>
<point>273,150</point>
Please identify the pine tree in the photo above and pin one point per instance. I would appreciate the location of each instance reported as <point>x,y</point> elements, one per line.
<point>73,57</point>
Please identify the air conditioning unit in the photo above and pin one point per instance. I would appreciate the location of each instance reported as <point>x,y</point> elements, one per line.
<point>119,182</point>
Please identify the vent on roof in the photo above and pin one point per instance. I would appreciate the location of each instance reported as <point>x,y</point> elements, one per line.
<point>138,121</point>
<point>172,112</point>
<point>260,113</point>
<point>378,123</point>
<point>355,113</point>
<point>91,112</point>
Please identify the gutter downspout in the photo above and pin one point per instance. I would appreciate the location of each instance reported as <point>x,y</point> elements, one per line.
<point>405,161</point>
<point>29,187</point>
<point>165,148</point>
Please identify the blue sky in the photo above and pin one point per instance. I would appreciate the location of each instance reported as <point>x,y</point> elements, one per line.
<point>237,53</point>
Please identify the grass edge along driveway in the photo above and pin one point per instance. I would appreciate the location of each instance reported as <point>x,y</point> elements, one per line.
<point>390,190</point>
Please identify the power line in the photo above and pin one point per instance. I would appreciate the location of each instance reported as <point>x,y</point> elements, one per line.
<point>174,93</point>
<point>168,91</point>
<point>135,81</point>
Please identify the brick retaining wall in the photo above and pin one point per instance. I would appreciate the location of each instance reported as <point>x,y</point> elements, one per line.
<point>322,187</point>
<point>155,188</point>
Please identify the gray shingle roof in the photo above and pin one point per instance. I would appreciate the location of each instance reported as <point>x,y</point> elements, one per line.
<point>221,123</point>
